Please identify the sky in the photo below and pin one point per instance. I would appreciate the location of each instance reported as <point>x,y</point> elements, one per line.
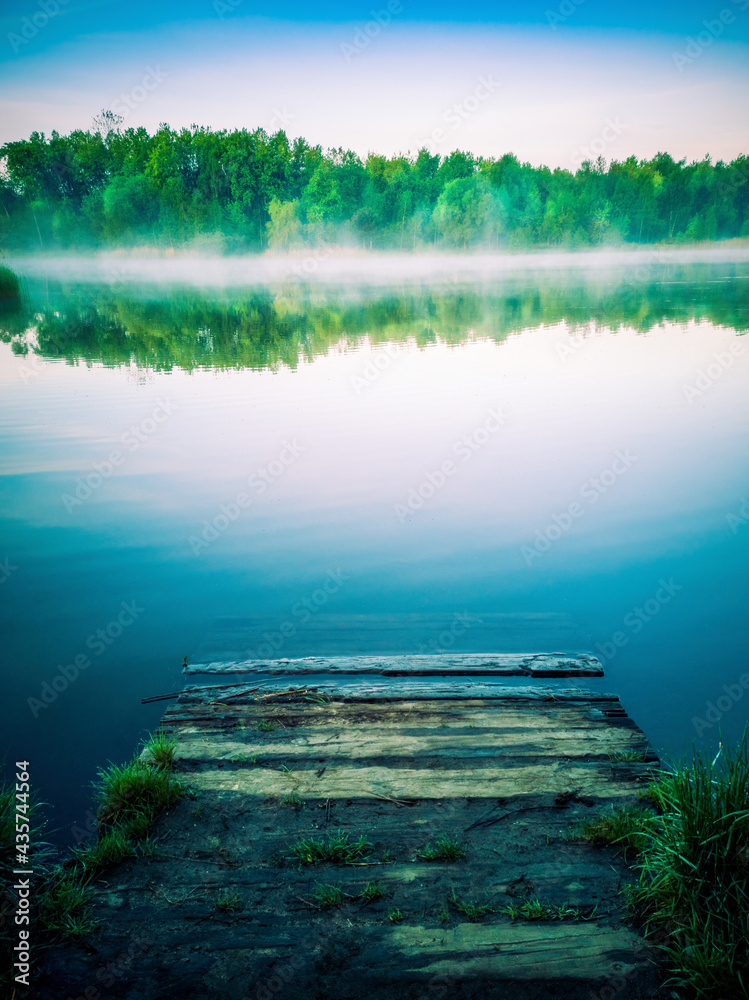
<point>554,81</point>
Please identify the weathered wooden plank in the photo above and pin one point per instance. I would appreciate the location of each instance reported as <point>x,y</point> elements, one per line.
<point>418,665</point>
<point>509,775</point>
<point>518,951</point>
<point>350,743</point>
<point>400,690</point>
<point>416,782</point>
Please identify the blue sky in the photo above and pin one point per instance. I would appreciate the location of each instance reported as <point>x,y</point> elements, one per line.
<point>553,81</point>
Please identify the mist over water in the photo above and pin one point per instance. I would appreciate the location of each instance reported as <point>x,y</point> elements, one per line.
<point>552,434</point>
<point>332,265</point>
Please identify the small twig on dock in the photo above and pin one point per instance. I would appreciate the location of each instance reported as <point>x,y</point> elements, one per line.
<point>279,694</point>
<point>173,902</point>
<point>561,801</point>
<point>308,902</point>
<point>398,802</point>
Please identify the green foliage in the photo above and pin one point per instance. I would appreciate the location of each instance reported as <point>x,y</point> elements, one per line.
<point>627,825</point>
<point>693,887</point>
<point>463,210</point>
<point>627,757</point>
<point>251,190</point>
<point>10,289</point>
<point>110,849</point>
<point>473,912</point>
<point>127,792</point>
<point>534,909</point>
<point>444,848</point>
<point>292,799</point>
<point>227,902</point>
<point>327,896</point>
<point>373,891</point>
<point>394,915</point>
<point>284,228</point>
<point>336,849</point>
<point>64,906</point>
<point>264,329</point>
<point>161,750</point>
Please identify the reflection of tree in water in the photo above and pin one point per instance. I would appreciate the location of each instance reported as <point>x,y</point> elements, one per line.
<point>267,329</point>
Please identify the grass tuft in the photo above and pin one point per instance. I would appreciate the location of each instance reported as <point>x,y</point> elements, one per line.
<point>162,750</point>
<point>631,826</point>
<point>110,849</point>
<point>627,757</point>
<point>65,905</point>
<point>227,902</point>
<point>335,849</point>
<point>328,896</point>
<point>471,911</point>
<point>693,888</point>
<point>394,915</point>
<point>444,848</point>
<point>292,799</point>
<point>373,891</point>
<point>534,909</point>
<point>127,791</point>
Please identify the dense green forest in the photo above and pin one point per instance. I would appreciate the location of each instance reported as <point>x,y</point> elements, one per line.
<point>283,327</point>
<point>242,190</point>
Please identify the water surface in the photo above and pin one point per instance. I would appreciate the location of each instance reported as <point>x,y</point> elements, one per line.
<point>555,440</point>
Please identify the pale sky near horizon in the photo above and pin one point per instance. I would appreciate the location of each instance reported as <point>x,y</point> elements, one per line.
<point>552,87</point>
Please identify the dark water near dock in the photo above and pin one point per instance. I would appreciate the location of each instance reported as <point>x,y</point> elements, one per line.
<point>560,442</point>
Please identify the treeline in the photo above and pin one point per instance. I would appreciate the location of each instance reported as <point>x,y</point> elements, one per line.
<point>267,329</point>
<point>241,190</point>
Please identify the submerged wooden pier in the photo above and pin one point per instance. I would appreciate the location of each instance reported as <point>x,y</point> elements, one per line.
<point>401,751</point>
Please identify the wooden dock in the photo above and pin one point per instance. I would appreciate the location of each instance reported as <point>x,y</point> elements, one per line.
<point>400,751</point>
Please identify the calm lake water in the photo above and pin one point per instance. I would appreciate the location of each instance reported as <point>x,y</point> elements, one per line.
<point>197,441</point>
